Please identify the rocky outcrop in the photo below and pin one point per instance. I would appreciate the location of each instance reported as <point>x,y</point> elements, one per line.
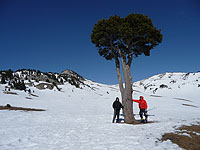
<point>73,78</point>
<point>42,86</point>
<point>29,77</point>
<point>72,74</point>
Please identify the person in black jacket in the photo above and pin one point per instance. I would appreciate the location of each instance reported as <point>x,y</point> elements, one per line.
<point>116,106</point>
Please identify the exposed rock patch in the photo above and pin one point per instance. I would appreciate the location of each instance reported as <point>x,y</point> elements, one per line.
<point>42,86</point>
<point>187,137</point>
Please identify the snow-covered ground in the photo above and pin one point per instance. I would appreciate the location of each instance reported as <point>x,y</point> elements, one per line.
<point>80,119</point>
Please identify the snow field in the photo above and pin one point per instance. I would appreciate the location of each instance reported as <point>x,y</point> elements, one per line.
<point>81,119</point>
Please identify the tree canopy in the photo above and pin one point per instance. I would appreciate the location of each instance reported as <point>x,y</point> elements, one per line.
<point>125,37</point>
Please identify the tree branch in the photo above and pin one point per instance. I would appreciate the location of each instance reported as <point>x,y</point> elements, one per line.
<point>130,58</point>
<point>121,87</point>
<point>117,63</point>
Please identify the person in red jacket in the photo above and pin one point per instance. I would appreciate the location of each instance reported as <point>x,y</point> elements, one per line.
<point>143,107</point>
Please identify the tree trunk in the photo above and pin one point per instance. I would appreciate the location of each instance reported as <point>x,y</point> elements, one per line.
<point>126,92</point>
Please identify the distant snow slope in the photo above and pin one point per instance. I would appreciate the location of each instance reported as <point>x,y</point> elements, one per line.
<point>80,118</point>
<point>185,85</point>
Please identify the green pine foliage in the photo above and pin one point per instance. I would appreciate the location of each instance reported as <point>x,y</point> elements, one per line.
<point>3,79</point>
<point>134,35</point>
<point>19,85</point>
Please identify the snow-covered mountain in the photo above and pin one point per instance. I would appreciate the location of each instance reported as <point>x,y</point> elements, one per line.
<point>78,112</point>
<point>183,85</point>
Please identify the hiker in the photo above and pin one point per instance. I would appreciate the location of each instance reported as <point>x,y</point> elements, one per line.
<point>116,106</point>
<point>143,108</point>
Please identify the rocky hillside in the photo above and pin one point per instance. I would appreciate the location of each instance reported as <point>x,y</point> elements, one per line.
<point>158,85</point>
<point>24,78</point>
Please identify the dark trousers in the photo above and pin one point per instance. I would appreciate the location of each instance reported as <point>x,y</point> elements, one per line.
<point>116,114</point>
<point>143,112</point>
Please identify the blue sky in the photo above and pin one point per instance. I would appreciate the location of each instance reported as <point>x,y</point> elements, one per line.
<point>54,35</point>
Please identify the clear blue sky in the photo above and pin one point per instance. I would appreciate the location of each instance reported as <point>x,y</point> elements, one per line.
<point>54,35</point>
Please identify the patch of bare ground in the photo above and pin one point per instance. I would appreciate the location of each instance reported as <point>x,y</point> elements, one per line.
<point>8,107</point>
<point>28,97</point>
<point>156,96</point>
<point>34,95</point>
<point>182,99</point>
<point>187,137</point>
<point>138,122</point>
<point>8,92</point>
<point>190,105</point>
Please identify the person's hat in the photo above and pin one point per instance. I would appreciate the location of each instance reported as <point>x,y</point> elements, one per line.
<point>141,97</point>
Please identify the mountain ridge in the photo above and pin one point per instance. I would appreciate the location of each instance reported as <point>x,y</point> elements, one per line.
<point>23,78</point>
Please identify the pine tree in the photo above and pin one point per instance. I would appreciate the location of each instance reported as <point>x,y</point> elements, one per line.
<point>121,40</point>
<point>38,72</point>
<point>9,74</point>
<point>61,81</point>
<point>3,79</point>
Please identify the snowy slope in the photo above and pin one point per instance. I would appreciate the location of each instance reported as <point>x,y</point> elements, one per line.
<point>78,118</point>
